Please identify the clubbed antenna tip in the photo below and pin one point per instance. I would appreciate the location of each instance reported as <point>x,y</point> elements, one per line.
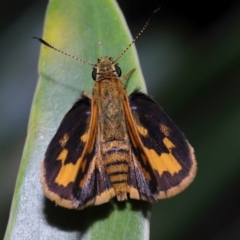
<point>58,50</point>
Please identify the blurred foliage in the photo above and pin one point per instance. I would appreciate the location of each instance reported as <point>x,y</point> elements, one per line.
<point>195,48</point>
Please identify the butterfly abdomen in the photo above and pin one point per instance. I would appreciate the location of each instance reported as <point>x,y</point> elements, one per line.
<point>116,162</point>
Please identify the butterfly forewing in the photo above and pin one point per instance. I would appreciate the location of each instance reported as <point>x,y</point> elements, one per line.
<point>164,154</point>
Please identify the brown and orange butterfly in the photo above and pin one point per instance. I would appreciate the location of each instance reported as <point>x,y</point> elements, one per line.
<point>110,145</point>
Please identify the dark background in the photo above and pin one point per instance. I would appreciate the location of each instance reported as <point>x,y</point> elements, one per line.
<point>195,47</point>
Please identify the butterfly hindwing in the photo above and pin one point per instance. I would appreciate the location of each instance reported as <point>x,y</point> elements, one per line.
<point>92,185</point>
<point>141,180</point>
<point>163,160</point>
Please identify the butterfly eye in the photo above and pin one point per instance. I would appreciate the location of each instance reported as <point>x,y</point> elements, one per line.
<point>94,74</point>
<point>118,70</point>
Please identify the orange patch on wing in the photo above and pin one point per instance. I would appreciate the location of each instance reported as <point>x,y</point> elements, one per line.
<point>165,162</point>
<point>143,131</point>
<point>68,171</point>
<point>85,137</point>
<point>169,145</point>
<point>164,129</point>
<point>67,174</point>
<point>63,140</point>
<point>63,155</point>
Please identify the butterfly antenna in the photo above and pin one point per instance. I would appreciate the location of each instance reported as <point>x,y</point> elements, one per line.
<point>139,34</point>
<point>58,50</point>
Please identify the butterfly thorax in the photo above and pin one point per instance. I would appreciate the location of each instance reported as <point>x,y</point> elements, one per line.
<point>112,136</point>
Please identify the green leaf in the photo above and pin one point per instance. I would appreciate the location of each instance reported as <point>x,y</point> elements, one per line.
<point>85,29</point>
